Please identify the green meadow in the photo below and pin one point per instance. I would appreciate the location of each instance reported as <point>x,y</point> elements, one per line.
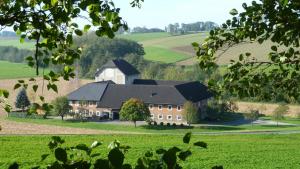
<point>231,151</point>
<point>15,42</point>
<point>9,70</point>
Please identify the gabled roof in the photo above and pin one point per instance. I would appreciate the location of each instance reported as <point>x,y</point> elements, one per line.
<point>156,82</point>
<point>89,92</point>
<point>194,91</point>
<point>122,65</point>
<point>116,94</point>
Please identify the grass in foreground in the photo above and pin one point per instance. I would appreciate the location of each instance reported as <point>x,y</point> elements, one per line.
<point>155,129</point>
<point>9,70</point>
<point>231,151</point>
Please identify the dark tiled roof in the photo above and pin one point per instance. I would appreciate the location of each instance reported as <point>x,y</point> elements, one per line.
<point>156,82</point>
<point>194,91</point>
<point>116,95</point>
<point>122,65</point>
<point>90,91</point>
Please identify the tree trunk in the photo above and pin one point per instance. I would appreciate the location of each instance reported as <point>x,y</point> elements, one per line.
<point>62,117</point>
<point>134,124</point>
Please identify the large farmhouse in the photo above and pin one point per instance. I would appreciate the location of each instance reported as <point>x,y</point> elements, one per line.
<point>117,81</point>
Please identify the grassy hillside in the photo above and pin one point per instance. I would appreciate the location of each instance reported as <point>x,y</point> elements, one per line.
<point>231,151</point>
<point>9,70</point>
<point>15,42</point>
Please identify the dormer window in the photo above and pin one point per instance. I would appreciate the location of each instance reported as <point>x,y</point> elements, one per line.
<point>159,107</point>
<point>151,106</point>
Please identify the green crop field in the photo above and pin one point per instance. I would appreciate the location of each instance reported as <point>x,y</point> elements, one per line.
<point>231,151</point>
<point>163,55</point>
<point>139,37</point>
<point>9,70</point>
<point>15,42</point>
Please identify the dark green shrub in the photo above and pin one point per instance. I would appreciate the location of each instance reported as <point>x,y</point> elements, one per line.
<point>155,123</point>
<point>174,125</point>
<point>181,125</point>
<point>161,123</point>
<point>168,124</point>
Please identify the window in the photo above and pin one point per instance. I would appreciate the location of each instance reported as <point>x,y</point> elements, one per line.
<point>159,107</point>
<point>169,117</point>
<point>152,116</point>
<point>91,113</point>
<point>179,117</point>
<point>151,106</point>
<point>169,107</point>
<point>91,103</point>
<point>160,116</point>
<point>98,113</point>
<point>179,108</point>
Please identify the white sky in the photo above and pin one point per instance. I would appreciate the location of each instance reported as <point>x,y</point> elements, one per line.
<point>160,13</point>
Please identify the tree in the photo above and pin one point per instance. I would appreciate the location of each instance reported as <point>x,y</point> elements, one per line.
<point>52,25</point>
<point>279,112</point>
<point>253,76</point>
<point>22,100</point>
<point>252,115</point>
<point>134,110</point>
<point>191,113</point>
<point>61,106</point>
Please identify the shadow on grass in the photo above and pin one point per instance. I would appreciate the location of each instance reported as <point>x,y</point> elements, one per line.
<point>220,128</point>
<point>159,127</point>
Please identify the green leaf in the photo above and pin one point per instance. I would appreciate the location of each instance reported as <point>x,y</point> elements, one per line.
<point>35,87</point>
<point>44,156</point>
<point>116,158</point>
<point>101,164</point>
<point>187,138</point>
<point>4,93</point>
<point>274,48</point>
<point>96,144</point>
<point>184,154</point>
<point>201,144</point>
<point>17,86</point>
<point>61,155</point>
<point>14,166</point>
<point>195,44</point>
<point>53,2</point>
<point>78,32</point>
<point>233,12</point>
<point>86,28</point>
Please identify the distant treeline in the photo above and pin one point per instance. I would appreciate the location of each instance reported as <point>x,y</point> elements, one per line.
<point>14,54</point>
<point>176,29</point>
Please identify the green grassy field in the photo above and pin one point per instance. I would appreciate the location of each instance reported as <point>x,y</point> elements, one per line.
<point>139,37</point>
<point>155,129</point>
<point>159,54</point>
<point>231,151</point>
<point>9,70</point>
<point>15,42</point>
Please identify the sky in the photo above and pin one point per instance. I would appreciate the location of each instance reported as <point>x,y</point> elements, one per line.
<point>160,13</point>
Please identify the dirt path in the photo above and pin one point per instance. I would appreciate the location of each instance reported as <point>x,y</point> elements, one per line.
<point>20,128</point>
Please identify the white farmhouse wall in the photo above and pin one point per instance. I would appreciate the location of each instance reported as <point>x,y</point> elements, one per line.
<point>112,74</point>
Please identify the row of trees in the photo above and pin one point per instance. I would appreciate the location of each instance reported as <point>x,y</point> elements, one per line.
<point>145,30</point>
<point>176,29</point>
<point>14,54</point>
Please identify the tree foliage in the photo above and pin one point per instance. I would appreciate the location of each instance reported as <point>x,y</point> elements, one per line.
<point>134,110</point>
<point>252,115</point>
<point>280,111</point>
<point>22,100</point>
<point>61,106</point>
<point>52,25</point>
<point>191,113</point>
<point>250,76</point>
